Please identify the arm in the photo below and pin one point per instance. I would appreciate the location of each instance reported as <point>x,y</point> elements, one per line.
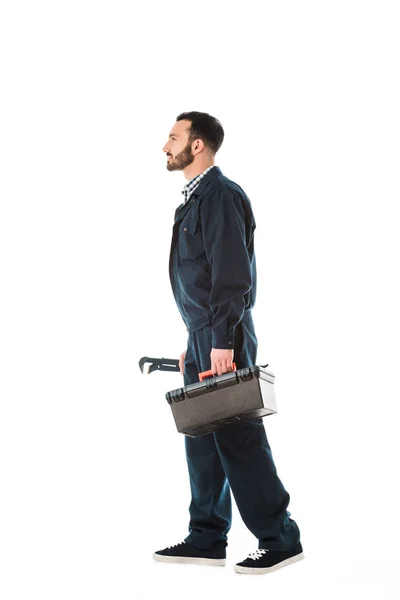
<point>224,234</point>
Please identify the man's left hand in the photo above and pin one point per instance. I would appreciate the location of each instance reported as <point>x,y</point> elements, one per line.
<point>221,361</point>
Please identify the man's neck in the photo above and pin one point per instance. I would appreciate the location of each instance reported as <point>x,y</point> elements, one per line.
<point>192,171</point>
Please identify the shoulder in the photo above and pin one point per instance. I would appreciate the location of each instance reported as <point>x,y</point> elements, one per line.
<point>225,194</point>
<point>224,187</point>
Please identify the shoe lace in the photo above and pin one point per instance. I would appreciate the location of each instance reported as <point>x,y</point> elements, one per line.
<point>176,545</point>
<point>257,554</point>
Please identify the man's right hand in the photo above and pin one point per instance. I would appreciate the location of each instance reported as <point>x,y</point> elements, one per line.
<point>181,361</point>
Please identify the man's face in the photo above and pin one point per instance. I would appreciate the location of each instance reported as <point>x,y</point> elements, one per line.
<point>178,150</point>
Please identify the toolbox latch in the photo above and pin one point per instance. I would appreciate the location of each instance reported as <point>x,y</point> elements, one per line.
<point>175,396</point>
<point>245,374</point>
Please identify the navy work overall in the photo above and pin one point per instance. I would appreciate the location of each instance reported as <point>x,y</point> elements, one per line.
<point>213,278</point>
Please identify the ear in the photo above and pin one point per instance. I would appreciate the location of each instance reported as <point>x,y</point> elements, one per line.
<point>198,144</point>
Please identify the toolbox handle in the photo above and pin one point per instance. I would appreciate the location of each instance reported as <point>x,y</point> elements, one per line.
<point>210,373</point>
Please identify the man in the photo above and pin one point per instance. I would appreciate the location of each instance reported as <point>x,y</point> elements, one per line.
<point>213,277</point>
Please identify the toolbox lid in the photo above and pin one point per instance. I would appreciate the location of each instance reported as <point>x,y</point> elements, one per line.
<point>221,381</point>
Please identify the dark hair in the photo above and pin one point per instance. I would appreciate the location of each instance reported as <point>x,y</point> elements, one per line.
<point>206,127</point>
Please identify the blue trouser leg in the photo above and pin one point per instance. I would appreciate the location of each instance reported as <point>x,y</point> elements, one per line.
<point>237,457</point>
<point>210,509</point>
<point>259,493</point>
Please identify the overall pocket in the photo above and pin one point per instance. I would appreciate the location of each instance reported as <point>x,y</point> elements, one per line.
<point>190,239</point>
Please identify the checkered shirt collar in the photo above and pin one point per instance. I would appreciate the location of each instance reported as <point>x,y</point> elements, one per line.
<point>192,185</point>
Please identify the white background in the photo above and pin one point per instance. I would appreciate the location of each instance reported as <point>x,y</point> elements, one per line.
<point>93,473</point>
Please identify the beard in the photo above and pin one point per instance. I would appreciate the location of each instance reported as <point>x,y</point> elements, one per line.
<point>181,160</point>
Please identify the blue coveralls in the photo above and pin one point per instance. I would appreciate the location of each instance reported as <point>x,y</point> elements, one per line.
<point>213,277</point>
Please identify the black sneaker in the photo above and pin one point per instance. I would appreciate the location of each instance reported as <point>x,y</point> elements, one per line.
<point>264,561</point>
<point>184,553</point>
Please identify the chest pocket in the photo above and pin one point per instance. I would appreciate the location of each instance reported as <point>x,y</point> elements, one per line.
<point>190,239</point>
<point>188,226</point>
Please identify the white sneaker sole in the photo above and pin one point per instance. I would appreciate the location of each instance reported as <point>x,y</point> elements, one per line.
<point>214,562</point>
<point>262,571</point>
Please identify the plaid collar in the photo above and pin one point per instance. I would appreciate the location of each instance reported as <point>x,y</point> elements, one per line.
<point>192,185</point>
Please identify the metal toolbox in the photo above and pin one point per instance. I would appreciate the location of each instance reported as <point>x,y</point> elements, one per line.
<point>200,408</point>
